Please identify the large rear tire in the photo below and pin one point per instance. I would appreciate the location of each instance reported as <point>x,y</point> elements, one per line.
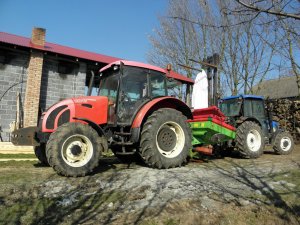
<point>165,139</point>
<point>250,140</point>
<point>283,143</point>
<point>74,149</point>
<point>40,153</point>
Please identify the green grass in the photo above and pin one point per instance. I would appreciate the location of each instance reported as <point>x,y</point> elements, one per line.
<point>41,210</point>
<point>168,221</point>
<point>17,156</point>
<point>18,164</point>
<point>25,211</point>
<point>292,176</point>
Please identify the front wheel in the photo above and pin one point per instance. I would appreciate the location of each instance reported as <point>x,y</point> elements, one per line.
<point>165,139</point>
<point>283,143</point>
<point>250,140</point>
<point>74,149</point>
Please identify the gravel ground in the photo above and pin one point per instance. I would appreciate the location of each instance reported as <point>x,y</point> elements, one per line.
<point>216,191</point>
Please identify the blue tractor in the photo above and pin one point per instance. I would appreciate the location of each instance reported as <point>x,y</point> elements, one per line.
<point>254,126</point>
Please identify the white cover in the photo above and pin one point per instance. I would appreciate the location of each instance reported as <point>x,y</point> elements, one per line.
<point>200,91</point>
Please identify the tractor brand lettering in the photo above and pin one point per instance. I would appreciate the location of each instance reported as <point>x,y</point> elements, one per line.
<point>84,100</point>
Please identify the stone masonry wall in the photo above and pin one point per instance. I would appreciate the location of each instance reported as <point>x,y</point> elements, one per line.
<point>12,72</point>
<point>56,87</point>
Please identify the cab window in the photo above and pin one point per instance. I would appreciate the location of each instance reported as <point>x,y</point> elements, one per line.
<point>157,84</point>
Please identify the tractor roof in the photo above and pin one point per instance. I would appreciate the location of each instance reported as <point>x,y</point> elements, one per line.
<point>170,74</point>
<point>244,97</point>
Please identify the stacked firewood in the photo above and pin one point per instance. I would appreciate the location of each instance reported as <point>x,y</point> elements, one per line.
<point>287,113</point>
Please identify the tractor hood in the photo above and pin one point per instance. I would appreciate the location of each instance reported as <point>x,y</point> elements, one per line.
<point>91,108</point>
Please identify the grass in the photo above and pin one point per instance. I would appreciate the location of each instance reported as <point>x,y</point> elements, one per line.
<point>18,164</point>
<point>17,156</point>
<point>292,176</point>
<point>25,211</point>
<point>41,210</point>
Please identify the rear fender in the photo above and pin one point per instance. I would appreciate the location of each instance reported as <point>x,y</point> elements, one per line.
<point>242,119</point>
<point>158,103</point>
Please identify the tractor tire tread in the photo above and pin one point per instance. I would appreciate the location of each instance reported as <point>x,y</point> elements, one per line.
<point>276,146</point>
<point>53,151</point>
<point>241,139</point>
<point>149,153</point>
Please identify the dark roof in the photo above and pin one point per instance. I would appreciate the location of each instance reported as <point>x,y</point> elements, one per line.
<point>68,51</point>
<point>285,87</point>
<point>55,48</point>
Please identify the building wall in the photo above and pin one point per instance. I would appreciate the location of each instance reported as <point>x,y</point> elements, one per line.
<point>58,86</point>
<point>55,86</point>
<point>13,76</point>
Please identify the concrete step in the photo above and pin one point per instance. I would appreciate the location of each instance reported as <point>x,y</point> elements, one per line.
<point>9,148</point>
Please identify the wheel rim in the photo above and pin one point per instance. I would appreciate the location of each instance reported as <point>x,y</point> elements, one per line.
<point>253,140</point>
<point>77,150</point>
<point>285,144</point>
<point>170,139</point>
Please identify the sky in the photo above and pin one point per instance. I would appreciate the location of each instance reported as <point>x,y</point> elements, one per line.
<point>111,27</point>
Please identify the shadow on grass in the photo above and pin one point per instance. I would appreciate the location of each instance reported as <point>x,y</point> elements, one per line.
<point>261,183</point>
<point>100,199</point>
<point>97,197</point>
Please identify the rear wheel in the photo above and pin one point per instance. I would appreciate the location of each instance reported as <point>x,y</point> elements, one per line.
<point>40,153</point>
<point>283,144</point>
<point>165,139</point>
<point>250,140</point>
<point>74,149</point>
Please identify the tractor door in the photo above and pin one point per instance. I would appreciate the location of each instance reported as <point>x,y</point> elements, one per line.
<point>255,108</point>
<point>109,86</point>
<point>133,92</point>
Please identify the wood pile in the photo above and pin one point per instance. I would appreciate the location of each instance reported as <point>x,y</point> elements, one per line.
<point>287,113</point>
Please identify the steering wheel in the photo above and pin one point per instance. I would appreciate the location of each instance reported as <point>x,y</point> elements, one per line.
<point>125,97</point>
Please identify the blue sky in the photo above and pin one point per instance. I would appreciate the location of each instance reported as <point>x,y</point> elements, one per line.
<point>111,27</point>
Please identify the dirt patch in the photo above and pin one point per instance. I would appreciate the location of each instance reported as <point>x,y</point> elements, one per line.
<point>218,191</point>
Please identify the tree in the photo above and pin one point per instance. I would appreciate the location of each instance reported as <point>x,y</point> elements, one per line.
<point>283,19</point>
<point>277,8</point>
<point>194,29</point>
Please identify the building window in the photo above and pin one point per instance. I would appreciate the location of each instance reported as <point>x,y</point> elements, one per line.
<point>65,67</point>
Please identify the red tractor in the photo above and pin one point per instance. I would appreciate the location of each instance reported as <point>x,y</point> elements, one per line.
<point>132,114</point>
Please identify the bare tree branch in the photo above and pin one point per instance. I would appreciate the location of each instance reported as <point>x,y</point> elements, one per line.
<point>268,11</point>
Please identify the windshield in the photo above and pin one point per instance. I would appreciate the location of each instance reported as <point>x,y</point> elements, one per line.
<point>231,107</point>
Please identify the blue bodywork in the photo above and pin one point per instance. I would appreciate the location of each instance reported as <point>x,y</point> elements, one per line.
<point>249,107</point>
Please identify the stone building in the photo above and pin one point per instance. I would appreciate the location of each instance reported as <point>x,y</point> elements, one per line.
<point>282,88</point>
<point>39,74</point>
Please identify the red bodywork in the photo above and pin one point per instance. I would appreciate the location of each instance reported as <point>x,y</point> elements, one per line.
<point>93,108</point>
<point>163,102</point>
<point>169,73</point>
<point>212,113</point>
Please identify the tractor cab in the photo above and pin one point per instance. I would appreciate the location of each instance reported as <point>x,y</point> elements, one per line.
<point>128,88</point>
<point>131,85</point>
<point>246,107</point>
